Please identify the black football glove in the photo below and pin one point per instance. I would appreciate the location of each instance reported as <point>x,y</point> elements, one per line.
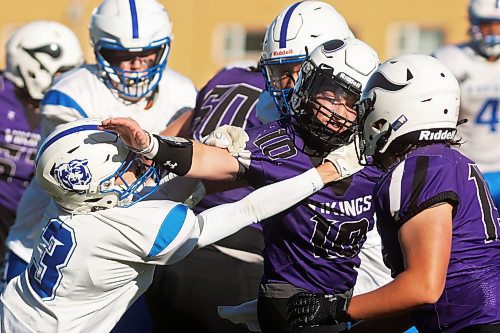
<point>307,309</point>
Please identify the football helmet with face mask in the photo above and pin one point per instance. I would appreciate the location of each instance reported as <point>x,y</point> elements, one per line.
<point>297,30</point>
<point>38,51</point>
<point>83,169</point>
<point>121,30</point>
<point>481,12</point>
<point>329,84</point>
<point>410,99</point>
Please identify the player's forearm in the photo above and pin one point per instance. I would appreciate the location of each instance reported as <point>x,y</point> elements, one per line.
<point>224,220</point>
<point>403,294</point>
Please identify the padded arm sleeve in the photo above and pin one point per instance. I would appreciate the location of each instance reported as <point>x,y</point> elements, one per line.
<point>221,221</point>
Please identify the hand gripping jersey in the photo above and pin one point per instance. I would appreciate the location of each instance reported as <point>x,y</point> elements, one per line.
<point>81,94</point>
<point>19,136</point>
<point>480,103</point>
<point>87,269</point>
<point>229,98</point>
<point>427,176</point>
<point>315,244</point>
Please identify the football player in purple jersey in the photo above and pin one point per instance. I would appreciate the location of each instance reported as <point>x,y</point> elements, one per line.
<point>440,230</point>
<point>314,245</point>
<point>36,53</point>
<point>235,96</point>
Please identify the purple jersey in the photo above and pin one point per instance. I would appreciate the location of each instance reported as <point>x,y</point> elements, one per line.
<point>427,176</point>
<point>229,98</point>
<point>315,244</point>
<point>19,135</point>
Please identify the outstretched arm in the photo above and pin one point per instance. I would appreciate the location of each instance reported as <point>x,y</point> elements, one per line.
<point>181,156</point>
<point>221,221</point>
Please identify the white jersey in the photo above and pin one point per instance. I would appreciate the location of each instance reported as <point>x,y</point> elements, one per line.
<point>480,103</point>
<point>81,94</point>
<point>87,269</point>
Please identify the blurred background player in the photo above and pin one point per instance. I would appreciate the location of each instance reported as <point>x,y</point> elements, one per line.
<point>36,53</point>
<point>476,66</point>
<point>96,219</point>
<point>435,215</point>
<point>230,98</point>
<point>131,41</point>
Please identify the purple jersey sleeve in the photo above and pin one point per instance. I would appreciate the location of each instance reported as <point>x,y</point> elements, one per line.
<point>19,136</point>
<point>427,176</point>
<point>315,244</point>
<point>229,98</point>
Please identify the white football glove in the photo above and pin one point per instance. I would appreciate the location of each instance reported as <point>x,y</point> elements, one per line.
<point>233,138</point>
<point>345,160</point>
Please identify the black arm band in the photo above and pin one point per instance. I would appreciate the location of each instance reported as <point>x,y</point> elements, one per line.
<point>174,154</point>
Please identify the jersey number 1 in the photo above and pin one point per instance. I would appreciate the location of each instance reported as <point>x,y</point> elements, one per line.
<point>491,226</point>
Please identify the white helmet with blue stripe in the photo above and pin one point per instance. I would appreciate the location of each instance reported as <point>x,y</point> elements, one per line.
<point>83,168</point>
<point>297,30</point>
<point>480,12</point>
<point>137,28</point>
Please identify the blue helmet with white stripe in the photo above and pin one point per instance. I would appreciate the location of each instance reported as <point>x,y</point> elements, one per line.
<point>85,169</point>
<point>297,30</point>
<point>124,29</point>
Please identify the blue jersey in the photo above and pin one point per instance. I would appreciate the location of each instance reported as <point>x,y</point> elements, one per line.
<point>315,244</point>
<point>19,136</point>
<point>229,98</point>
<point>427,176</point>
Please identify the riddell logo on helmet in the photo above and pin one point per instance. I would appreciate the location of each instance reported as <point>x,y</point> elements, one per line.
<point>436,135</point>
<point>282,52</point>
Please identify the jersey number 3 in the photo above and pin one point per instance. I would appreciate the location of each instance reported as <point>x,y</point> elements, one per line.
<point>58,244</point>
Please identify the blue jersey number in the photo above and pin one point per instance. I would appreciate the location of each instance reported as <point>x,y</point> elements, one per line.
<point>58,244</point>
<point>489,114</point>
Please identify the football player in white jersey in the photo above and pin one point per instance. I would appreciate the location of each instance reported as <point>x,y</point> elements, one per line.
<point>131,42</point>
<point>97,251</point>
<point>476,66</point>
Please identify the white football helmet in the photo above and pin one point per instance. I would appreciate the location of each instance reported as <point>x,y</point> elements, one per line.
<point>130,27</point>
<point>39,50</point>
<point>78,165</point>
<point>410,98</point>
<point>297,30</point>
<point>484,11</point>
<point>342,67</point>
